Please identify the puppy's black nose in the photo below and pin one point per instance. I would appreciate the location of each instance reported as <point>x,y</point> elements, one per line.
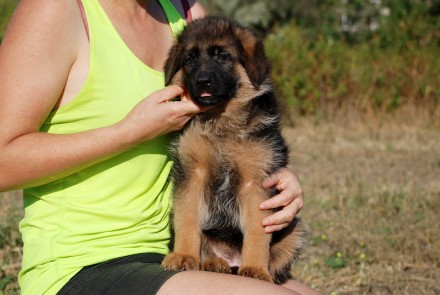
<point>203,81</point>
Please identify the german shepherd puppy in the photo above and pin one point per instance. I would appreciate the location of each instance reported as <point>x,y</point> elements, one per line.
<point>224,154</point>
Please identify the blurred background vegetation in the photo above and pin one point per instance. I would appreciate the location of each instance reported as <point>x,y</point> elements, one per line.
<point>6,9</point>
<point>349,59</point>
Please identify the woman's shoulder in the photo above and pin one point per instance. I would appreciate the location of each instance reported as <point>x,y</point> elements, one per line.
<point>197,10</point>
<point>48,9</point>
<point>38,50</point>
<point>45,21</point>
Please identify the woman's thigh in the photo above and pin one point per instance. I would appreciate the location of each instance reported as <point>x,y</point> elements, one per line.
<point>199,282</point>
<point>300,288</point>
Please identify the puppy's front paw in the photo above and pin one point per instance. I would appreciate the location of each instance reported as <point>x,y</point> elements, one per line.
<point>176,261</point>
<point>256,273</point>
<point>216,265</point>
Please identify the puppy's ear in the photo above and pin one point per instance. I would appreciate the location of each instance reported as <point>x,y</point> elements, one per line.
<point>253,57</point>
<point>173,64</point>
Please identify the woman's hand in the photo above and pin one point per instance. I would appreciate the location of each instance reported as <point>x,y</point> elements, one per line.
<point>159,114</point>
<point>290,198</point>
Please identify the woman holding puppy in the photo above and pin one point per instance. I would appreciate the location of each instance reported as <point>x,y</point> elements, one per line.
<point>85,129</point>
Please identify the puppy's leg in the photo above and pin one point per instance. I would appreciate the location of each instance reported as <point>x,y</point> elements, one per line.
<point>251,160</point>
<point>256,243</point>
<point>195,160</point>
<point>186,227</point>
<point>286,247</point>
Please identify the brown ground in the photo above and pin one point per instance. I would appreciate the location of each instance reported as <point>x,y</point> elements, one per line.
<point>372,200</point>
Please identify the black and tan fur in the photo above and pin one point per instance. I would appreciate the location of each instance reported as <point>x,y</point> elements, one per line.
<point>223,155</point>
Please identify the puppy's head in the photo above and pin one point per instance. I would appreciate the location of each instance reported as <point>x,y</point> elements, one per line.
<point>209,57</point>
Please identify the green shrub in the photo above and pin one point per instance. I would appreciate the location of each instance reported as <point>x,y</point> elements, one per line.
<point>316,74</point>
<point>7,7</point>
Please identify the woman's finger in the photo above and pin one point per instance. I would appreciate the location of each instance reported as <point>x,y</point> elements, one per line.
<point>274,228</point>
<point>168,93</point>
<point>286,215</point>
<point>284,198</point>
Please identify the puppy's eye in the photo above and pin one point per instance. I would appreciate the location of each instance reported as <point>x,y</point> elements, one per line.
<point>223,56</point>
<point>189,60</point>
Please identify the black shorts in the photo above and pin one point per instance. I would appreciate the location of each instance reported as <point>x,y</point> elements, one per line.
<point>131,275</point>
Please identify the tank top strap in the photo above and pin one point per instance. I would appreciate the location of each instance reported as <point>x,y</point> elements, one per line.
<point>176,22</point>
<point>175,19</point>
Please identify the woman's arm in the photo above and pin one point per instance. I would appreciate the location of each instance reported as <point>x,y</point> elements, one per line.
<point>36,56</point>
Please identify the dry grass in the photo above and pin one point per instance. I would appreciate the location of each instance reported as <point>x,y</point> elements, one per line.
<point>10,241</point>
<point>372,199</point>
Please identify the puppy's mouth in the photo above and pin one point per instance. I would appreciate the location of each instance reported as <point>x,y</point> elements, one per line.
<point>206,94</point>
<point>206,98</point>
<point>208,90</point>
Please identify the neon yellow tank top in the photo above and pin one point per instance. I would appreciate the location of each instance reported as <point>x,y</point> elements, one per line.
<point>117,207</point>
